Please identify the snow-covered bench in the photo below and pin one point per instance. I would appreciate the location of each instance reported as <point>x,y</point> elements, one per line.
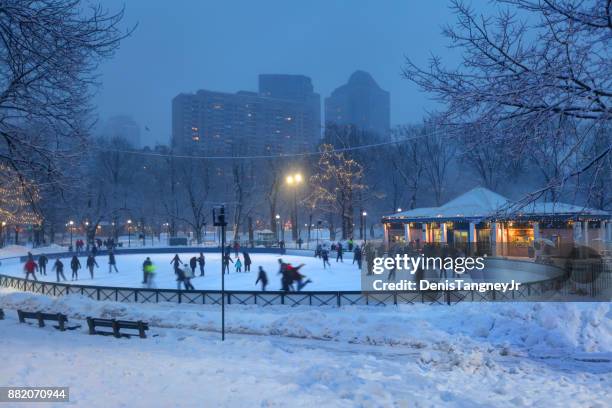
<point>116,326</point>
<point>61,319</point>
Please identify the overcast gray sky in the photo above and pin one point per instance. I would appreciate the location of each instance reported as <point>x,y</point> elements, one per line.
<point>183,46</point>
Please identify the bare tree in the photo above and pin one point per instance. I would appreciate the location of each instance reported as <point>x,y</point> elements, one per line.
<point>49,51</point>
<point>407,158</point>
<point>527,73</point>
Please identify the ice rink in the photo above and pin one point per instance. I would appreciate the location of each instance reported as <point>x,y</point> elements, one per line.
<point>340,276</point>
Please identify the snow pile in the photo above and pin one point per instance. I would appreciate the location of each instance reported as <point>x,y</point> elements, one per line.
<point>538,328</point>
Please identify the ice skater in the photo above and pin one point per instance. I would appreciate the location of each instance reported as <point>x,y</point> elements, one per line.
<point>59,269</point>
<point>357,256</point>
<point>226,261</point>
<point>90,263</point>
<point>247,261</point>
<point>238,265</point>
<point>296,276</point>
<point>149,271</point>
<point>75,265</point>
<point>201,263</point>
<point>42,264</point>
<point>30,267</point>
<point>325,257</point>
<point>184,275</point>
<point>339,252</point>
<point>112,262</point>
<point>263,278</point>
<point>147,262</point>
<point>176,262</point>
<point>193,263</point>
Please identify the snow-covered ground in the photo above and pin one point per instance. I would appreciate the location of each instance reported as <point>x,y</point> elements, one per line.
<point>340,276</point>
<point>468,355</point>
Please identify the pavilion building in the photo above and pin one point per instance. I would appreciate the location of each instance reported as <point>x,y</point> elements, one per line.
<point>490,223</point>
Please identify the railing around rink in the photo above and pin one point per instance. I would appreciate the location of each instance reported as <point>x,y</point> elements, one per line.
<point>540,290</point>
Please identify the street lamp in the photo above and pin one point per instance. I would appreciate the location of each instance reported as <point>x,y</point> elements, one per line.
<point>129,223</point>
<point>399,210</point>
<point>70,223</point>
<point>277,227</point>
<point>293,180</point>
<point>363,226</point>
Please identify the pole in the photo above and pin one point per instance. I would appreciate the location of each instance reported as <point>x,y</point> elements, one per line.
<point>220,222</point>
<point>295,215</point>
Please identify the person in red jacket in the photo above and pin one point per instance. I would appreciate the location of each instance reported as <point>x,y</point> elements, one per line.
<point>30,267</point>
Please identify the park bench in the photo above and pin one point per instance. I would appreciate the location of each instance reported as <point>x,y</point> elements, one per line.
<point>116,326</point>
<point>61,319</point>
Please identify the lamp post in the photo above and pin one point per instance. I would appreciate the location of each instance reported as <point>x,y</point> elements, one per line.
<point>363,226</point>
<point>277,228</point>
<point>129,224</point>
<point>70,224</point>
<point>293,180</point>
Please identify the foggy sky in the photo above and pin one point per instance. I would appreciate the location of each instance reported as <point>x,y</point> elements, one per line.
<point>185,45</point>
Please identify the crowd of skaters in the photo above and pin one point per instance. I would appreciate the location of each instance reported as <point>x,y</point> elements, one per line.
<point>291,277</point>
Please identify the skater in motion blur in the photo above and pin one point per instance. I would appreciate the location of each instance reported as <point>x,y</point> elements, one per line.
<point>112,262</point>
<point>325,257</point>
<point>340,251</point>
<point>176,262</point>
<point>149,270</point>
<point>30,267</point>
<point>263,278</point>
<point>90,263</point>
<point>75,265</point>
<point>286,277</point>
<point>42,264</point>
<point>201,263</point>
<point>247,261</point>
<point>59,269</point>
<point>147,262</point>
<point>238,265</point>
<point>297,277</point>
<point>184,276</point>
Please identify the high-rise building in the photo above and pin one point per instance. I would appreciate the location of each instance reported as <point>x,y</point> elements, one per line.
<point>284,117</point>
<point>360,103</point>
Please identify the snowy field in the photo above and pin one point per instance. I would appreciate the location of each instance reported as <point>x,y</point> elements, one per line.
<point>340,276</point>
<point>468,355</point>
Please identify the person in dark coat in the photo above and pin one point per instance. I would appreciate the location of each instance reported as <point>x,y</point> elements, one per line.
<point>145,270</point>
<point>193,263</point>
<point>59,269</point>
<point>340,251</point>
<point>325,257</point>
<point>296,276</point>
<point>94,250</point>
<point>176,262</point>
<point>42,264</point>
<point>90,263</point>
<point>263,278</point>
<point>112,262</point>
<point>75,265</point>
<point>247,261</point>
<point>226,261</point>
<point>357,256</point>
<point>202,263</point>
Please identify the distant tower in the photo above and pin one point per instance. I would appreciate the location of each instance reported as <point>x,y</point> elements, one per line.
<point>360,103</point>
<point>122,126</point>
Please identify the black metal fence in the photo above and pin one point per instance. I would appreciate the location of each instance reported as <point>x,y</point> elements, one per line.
<point>541,290</point>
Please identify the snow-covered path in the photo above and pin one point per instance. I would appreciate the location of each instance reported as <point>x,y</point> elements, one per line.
<point>470,355</point>
<point>340,276</point>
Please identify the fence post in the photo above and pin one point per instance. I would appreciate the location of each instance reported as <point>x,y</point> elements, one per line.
<point>338,299</point>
